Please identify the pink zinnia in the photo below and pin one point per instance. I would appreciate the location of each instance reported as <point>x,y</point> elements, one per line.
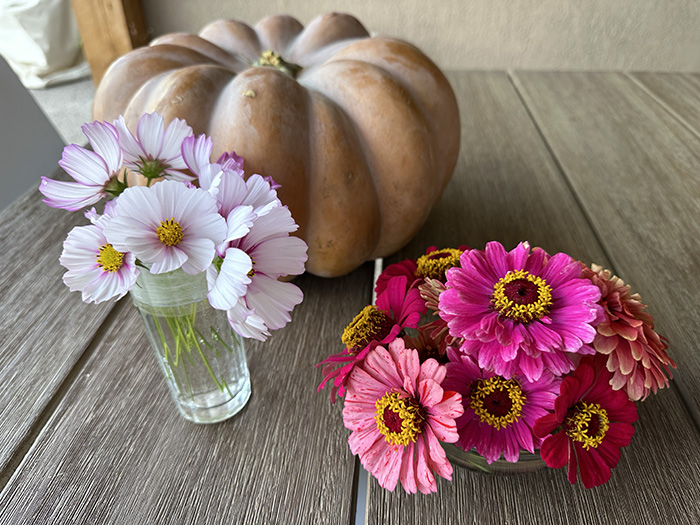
<point>520,312</point>
<point>590,423</point>
<point>432,265</point>
<point>636,354</point>
<point>397,308</point>
<point>499,413</point>
<point>398,414</point>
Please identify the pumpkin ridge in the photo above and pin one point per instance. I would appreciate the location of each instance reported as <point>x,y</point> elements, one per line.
<point>401,197</point>
<point>363,142</point>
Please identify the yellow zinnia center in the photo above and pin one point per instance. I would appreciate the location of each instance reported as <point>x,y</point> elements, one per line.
<point>435,264</point>
<point>109,259</point>
<point>371,324</point>
<point>170,232</point>
<point>399,420</point>
<point>522,297</point>
<point>497,401</point>
<point>587,423</point>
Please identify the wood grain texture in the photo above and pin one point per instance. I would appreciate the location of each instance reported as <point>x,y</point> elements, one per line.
<point>635,168</point>
<point>507,187</point>
<point>109,29</point>
<point>117,450</point>
<point>679,92</point>
<point>44,328</point>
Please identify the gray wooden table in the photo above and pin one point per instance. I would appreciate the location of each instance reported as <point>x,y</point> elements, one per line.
<point>603,166</point>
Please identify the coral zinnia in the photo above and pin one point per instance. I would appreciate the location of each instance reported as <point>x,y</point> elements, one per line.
<point>498,413</point>
<point>398,413</point>
<point>520,312</point>
<point>590,423</point>
<point>636,354</point>
<point>397,308</point>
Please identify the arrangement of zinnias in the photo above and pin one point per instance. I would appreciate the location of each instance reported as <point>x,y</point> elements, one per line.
<point>184,211</point>
<point>499,352</point>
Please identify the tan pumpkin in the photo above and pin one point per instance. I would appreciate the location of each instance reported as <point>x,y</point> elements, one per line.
<point>362,133</point>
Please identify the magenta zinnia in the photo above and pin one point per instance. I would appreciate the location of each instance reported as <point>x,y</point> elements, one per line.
<point>398,414</point>
<point>636,354</point>
<point>520,312</point>
<point>397,308</point>
<point>590,423</point>
<point>498,413</point>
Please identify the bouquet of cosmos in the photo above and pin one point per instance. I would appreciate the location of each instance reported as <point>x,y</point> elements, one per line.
<point>169,207</point>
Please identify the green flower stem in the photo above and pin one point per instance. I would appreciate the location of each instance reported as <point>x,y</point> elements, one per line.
<point>187,339</point>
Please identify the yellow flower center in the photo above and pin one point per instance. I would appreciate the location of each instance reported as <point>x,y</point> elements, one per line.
<point>435,264</point>
<point>587,423</point>
<point>497,401</point>
<point>170,232</point>
<point>252,270</point>
<point>522,297</point>
<point>371,324</point>
<point>109,259</point>
<point>399,420</point>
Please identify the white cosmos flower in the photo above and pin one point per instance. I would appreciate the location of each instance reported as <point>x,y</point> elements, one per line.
<point>91,170</point>
<point>168,226</point>
<point>94,266</point>
<point>156,149</point>
<point>267,302</point>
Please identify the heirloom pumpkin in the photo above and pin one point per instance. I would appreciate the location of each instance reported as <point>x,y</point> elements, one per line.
<point>362,133</point>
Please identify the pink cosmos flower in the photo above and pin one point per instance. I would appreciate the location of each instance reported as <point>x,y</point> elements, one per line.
<point>92,171</point>
<point>94,266</point>
<point>635,353</point>
<point>397,308</point>
<point>520,312</point>
<point>168,226</point>
<point>499,413</point>
<point>398,413</point>
<point>267,252</point>
<point>590,423</point>
<point>155,151</point>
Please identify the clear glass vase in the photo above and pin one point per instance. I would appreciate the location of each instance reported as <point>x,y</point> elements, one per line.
<point>472,460</point>
<point>202,358</point>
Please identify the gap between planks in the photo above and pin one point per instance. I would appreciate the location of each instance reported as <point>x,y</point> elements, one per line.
<point>50,408</point>
<point>677,382</point>
<point>663,104</point>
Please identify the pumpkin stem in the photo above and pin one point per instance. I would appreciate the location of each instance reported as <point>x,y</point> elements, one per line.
<point>270,58</point>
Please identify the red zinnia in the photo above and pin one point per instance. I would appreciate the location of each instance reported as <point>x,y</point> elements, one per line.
<point>398,307</point>
<point>590,424</point>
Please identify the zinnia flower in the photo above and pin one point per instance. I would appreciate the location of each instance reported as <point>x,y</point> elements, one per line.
<point>590,423</point>
<point>398,414</point>
<point>432,265</point>
<point>168,226</point>
<point>268,252</point>
<point>397,308</point>
<point>94,266</point>
<point>499,413</point>
<point>636,354</point>
<point>155,151</point>
<point>94,172</point>
<point>527,311</point>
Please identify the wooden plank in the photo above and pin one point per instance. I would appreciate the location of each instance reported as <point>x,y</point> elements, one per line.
<point>117,451</point>
<point>109,29</point>
<point>507,187</point>
<point>678,92</point>
<point>635,168</point>
<point>44,328</point>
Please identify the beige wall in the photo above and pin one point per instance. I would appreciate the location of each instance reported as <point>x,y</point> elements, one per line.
<point>657,35</point>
